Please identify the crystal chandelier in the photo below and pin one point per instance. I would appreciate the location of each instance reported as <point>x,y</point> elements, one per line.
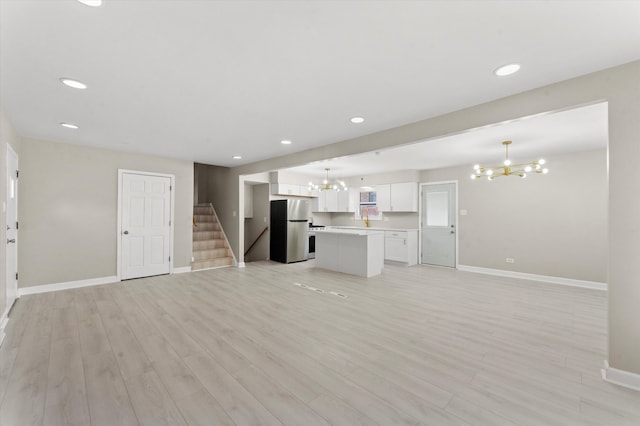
<point>508,169</point>
<point>338,185</point>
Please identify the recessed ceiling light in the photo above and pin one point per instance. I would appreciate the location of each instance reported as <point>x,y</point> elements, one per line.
<point>507,70</point>
<point>73,83</point>
<point>357,120</point>
<point>237,157</point>
<point>285,142</point>
<point>69,125</point>
<point>92,3</point>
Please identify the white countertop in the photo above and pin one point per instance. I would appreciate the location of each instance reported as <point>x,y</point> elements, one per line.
<point>370,228</point>
<point>350,231</point>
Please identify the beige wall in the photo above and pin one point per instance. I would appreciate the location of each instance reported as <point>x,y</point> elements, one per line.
<point>68,210</point>
<point>9,136</point>
<point>620,87</point>
<point>554,224</point>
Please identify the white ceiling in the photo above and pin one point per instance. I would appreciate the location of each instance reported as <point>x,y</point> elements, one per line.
<point>205,80</point>
<point>578,129</point>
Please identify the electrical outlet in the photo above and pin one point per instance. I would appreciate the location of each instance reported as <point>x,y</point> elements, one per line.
<point>193,259</point>
<point>510,260</point>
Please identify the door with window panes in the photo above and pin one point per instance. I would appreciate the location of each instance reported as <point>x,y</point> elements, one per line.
<point>439,224</point>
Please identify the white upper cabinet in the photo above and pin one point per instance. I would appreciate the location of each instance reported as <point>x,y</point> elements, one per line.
<point>327,202</point>
<point>383,197</point>
<point>404,197</point>
<point>320,204</point>
<point>331,201</point>
<point>346,201</point>
<point>285,189</point>
<point>290,189</point>
<point>397,197</point>
<point>306,192</point>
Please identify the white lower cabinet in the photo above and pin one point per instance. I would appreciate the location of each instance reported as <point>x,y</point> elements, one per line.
<point>401,246</point>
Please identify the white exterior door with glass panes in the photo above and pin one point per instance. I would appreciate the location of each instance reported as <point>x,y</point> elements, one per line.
<point>439,224</point>
<point>145,225</point>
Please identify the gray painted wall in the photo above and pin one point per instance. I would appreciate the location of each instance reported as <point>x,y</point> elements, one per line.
<point>9,136</point>
<point>554,224</point>
<point>68,210</point>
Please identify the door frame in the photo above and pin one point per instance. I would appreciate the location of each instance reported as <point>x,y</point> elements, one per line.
<point>9,303</point>
<point>455,217</point>
<point>172,178</point>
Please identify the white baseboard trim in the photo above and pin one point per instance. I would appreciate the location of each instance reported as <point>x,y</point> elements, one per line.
<point>534,277</point>
<point>45,288</point>
<point>241,264</point>
<point>622,378</point>
<point>182,270</point>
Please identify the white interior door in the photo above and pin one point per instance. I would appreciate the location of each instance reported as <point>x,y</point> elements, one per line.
<point>145,225</point>
<point>12,226</point>
<point>439,224</point>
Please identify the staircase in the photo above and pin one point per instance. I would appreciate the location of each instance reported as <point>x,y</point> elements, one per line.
<point>210,246</point>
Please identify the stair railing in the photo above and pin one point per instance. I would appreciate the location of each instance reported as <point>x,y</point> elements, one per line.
<point>235,261</point>
<point>264,231</point>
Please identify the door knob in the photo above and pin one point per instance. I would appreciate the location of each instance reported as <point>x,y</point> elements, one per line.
<point>126,232</point>
<point>452,232</point>
<point>13,240</point>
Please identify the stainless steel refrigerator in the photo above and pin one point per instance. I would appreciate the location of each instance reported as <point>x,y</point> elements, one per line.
<point>289,231</point>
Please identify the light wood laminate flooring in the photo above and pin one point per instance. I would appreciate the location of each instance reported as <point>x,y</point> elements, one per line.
<point>260,345</point>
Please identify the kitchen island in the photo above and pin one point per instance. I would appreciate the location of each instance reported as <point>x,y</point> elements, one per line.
<point>351,251</point>
<point>400,245</point>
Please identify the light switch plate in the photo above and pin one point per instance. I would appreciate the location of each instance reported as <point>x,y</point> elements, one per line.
<point>463,212</point>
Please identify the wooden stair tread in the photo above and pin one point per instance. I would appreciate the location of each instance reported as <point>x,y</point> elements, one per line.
<point>210,248</point>
<point>212,263</point>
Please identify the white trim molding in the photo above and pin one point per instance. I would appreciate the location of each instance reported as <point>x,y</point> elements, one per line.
<point>3,324</point>
<point>181,270</point>
<point>172,178</point>
<point>241,264</point>
<point>45,288</point>
<point>456,218</point>
<point>534,277</point>
<point>622,378</point>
